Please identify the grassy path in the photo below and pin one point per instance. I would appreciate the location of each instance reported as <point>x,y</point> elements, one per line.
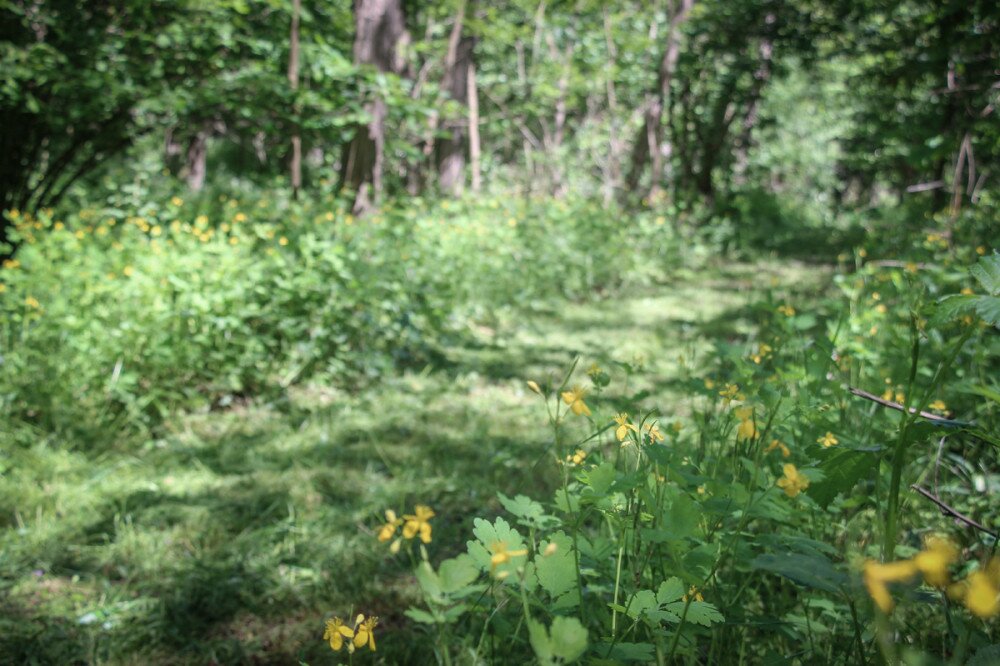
<point>234,536</point>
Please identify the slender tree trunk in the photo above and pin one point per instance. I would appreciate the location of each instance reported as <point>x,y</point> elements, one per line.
<point>649,146</point>
<point>613,172</point>
<point>196,167</point>
<point>380,30</point>
<point>760,79</point>
<point>450,149</point>
<point>293,82</point>
<point>474,145</point>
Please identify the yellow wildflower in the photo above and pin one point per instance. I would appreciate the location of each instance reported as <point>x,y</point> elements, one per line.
<point>828,440</point>
<point>577,458</point>
<point>793,482</point>
<point>177,201</point>
<point>364,632</point>
<point>282,241</point>
<point>32,302</point>
<point>982,597</point>
<point>938,406</point>
<point>621,432</point>
<point>239,217</point>
<point>876,575</point>
<point>747,428</point>
<point>128,271</point>
<point>775,444</point>
<point>392,523</point>
<point>732,391</point>
<point>693,593</point>
<point>418,522</point>
<point>934,560</point>
<point>336,632</point>
<point>709,384</point>
<point>550,549</point>
<point>981,250</point>
<point>501,555</point>
<point>786,310</point>
<point>653,432</point>
<point>574,398</point>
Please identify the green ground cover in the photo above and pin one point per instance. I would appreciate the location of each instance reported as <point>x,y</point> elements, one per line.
<point>235,532</point>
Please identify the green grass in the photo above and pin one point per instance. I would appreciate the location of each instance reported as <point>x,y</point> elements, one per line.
<point>233,536</point>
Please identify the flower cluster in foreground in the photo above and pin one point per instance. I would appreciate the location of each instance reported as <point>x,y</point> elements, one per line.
<point>979,591</point>
<point>413,524</point>
<point>361,634</point>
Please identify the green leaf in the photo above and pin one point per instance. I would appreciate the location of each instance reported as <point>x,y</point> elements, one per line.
<point>841,469</point>
<point>564,644</point>
<point>987,271</point>
<point>950,307</point>
<point>643,652</point>
<point>813,571</point>
<point>529,512</point>
<point>421,616</point>
<point>988,307</point>
<point>670,590</point>
<point>557,572</point>
<point>640,602</point>
<point>457,573</point>
<point>569,638</point>
<point>489,535</point>
<point>600,478</point>
<point>698,612</point>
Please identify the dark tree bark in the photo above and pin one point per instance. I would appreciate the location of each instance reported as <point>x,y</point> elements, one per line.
<point>380,30</point>
<point>196,166</point>
<point>293,82</point>
<point>449,151</point>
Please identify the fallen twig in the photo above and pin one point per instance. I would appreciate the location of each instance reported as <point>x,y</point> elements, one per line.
<point>895,405</point>
<point>947,510</point>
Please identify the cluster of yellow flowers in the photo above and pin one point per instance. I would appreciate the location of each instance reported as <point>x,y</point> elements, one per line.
<point>747,428</point>
<point>417,523</point>
<point>828,440</point>
<point>730,393</point>
<point>793,482</point>
<point>979,591</point>
<point>764,351</point>
<point>786,310</point>
<point>574,398</point>
<point>358,636</point>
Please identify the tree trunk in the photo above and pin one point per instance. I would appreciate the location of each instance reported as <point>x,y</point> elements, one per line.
<point>760,79</point>
<point>649,145</point>
<point>474,145</point>
<point>293,82</point>
<point>380,30</point>
<point>449,150</point>
<point>197,153</point>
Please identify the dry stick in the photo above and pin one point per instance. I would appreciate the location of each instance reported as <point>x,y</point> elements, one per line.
<point>894,405</point>
<point>947,510</point>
